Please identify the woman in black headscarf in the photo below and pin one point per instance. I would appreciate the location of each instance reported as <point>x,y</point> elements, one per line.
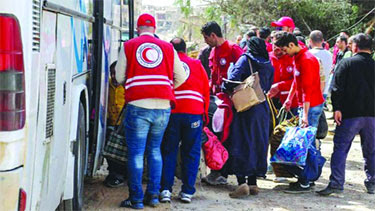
<point>248,139</point>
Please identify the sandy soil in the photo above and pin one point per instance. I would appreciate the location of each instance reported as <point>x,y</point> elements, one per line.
<point>271,196</point>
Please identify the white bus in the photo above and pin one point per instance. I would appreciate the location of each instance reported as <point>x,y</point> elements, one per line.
<point>54,69</point>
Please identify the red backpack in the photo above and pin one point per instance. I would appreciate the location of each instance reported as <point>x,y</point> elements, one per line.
<point>215,153</point>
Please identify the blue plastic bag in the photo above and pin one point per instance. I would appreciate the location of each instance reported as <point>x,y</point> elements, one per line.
<point>294,146</point>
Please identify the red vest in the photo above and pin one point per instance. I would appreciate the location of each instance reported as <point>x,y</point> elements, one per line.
<point>149,70</point>
<point>219,61</point>
<point>284,76</point>
<point>193,96</point>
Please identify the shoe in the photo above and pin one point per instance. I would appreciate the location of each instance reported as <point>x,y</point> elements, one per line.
<point>370,187</point>
<point>280,180</point>
<point>254,190</point>
<point>297,187</point>
<point>165,196</point>
<point>151,200</point>
<point>113,182</point>
<point>241,191</point>
<point>328,191</point>
<point>184,197</point>
<point>214,178</point>
<point>129,204</point>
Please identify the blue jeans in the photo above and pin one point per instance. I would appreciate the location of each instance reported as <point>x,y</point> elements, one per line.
<point>144,130</point>
<point>313,115</point>
<point>186,128</point>
<point>343,139</point>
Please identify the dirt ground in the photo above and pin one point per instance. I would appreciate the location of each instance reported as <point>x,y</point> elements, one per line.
<point>271,196</point>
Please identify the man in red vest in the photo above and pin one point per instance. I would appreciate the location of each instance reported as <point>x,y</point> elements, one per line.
<point>223,53</point>
<point>185,125</point>
<point>151,70</point>
<point>283,77</point>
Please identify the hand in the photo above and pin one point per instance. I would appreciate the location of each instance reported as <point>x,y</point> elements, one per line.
<point>273,91</point>
<point>338,117</point>
<point>287,105</point>
<point>305,121</point>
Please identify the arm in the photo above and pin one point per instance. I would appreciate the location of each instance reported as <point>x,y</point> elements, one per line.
<point>121,66</point>
<point>238,72</point>
<point>289,99</point>
<point>206,94</point>
<point>305,120</point>
<point>338,90</point>
<point>179,74</point>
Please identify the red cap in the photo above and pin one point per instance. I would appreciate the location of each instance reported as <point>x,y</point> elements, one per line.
<point>284,21</point>
<point>146,20</point>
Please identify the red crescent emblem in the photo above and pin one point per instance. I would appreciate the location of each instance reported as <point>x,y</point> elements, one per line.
<point>144,55</point>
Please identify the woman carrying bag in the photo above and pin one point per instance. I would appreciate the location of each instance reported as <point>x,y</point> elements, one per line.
<point>249,130</point>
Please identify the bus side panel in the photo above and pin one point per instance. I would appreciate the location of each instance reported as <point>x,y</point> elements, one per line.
<point>42,146</point>
<point>79,87</point>
<point>60,142</point>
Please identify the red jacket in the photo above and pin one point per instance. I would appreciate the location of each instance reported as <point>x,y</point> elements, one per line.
<point>219,60</point>
<point>307,79</point>
<point>149,70</point>
<point>283,76</point>
<point>193,96</point>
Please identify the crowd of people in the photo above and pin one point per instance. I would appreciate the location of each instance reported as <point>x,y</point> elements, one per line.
<point>168,96</point>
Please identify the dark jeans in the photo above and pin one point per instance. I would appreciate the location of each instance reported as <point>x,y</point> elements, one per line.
<point>186,128</point>
<point>343,139</point>
<point>144,130</point>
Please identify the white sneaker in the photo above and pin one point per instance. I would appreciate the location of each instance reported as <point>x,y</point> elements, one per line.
<point>165,196</point>
<point>184,197</point>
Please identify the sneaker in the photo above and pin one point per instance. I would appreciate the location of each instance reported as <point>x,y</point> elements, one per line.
<point>328,191</point>
<point>151,200</point>
<point>184,197</point>
<point>280,180</point>
<point>134,205</point>
<point>165,196</point>
<point>370,187</point>
<point>113,182</point>
<point>214,178</point>
<point>240,192</point>
<point>297,187</point>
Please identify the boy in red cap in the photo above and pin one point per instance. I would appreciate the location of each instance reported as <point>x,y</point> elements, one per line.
<point>151,70</point>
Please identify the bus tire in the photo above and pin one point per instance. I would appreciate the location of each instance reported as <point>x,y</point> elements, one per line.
<point>80,155</point>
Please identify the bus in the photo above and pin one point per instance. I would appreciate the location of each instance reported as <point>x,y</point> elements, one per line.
<point>54,71</point>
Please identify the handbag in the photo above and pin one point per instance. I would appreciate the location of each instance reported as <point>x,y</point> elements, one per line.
<point>115,147</point>
<point>215,153</point>
<point>248,93</point>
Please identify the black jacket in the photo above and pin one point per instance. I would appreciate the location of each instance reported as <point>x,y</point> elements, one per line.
<point>354,87</point>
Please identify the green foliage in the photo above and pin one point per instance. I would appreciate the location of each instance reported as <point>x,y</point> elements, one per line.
<point>329,16</point>
<point>185,7</point>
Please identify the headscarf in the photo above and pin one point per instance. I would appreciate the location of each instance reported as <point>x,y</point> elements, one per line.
<point>257,47</point>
